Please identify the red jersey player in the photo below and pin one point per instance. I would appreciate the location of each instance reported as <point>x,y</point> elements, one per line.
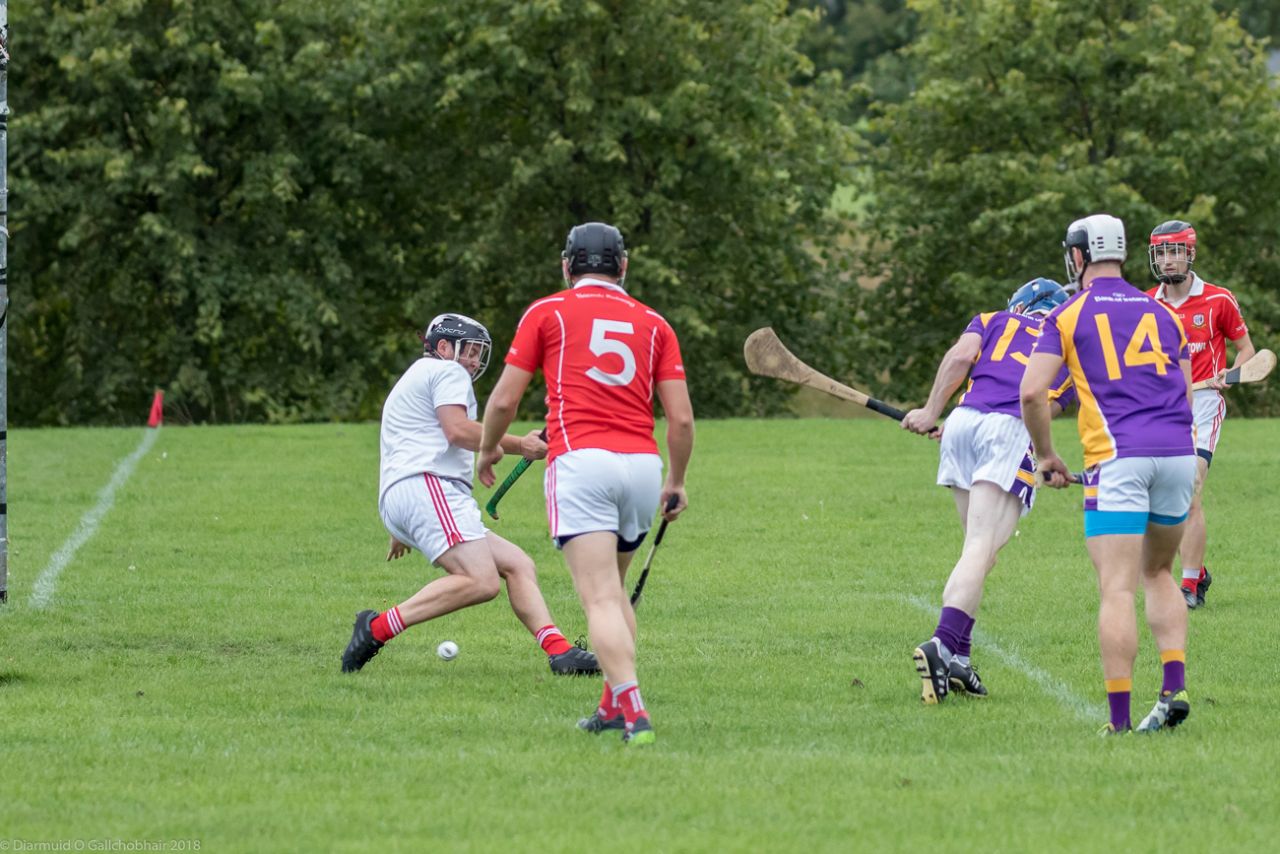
<point>1210,317</point>
<point>603,355</point>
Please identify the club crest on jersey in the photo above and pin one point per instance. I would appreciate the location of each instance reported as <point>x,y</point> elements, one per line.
<point>1197,320</point>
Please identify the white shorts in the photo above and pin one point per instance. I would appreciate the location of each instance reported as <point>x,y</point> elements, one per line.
<point>1209,409</point>
<point>431,514</point>
<point>597,490</point>
<point>1123,496</point>
<point>990,446</point>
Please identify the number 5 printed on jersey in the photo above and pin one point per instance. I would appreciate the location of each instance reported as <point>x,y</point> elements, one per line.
<point>602,345</point>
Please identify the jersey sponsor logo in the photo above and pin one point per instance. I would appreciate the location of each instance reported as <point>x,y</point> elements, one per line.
<point>1119,298</point>
<point>1197,320</point>
<point>1197,346</point>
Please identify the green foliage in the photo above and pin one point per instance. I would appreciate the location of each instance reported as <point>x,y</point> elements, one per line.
<point>678,122</point>
<point>254,204</point>
<point>1260,17</point>
<point>196,209</point>
<point>861,40</point>
<point>1031,114</point>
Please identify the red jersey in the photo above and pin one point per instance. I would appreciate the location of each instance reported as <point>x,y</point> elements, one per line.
<point>602,352</point>
<point>1210,317</point>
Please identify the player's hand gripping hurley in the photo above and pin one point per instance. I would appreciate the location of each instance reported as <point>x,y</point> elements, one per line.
<point>648,561</point>
<point>491,506</point>
<point>1255,370</point>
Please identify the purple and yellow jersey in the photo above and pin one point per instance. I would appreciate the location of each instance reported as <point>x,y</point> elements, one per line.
<point>1007,341</point>
<point>1122,348</point>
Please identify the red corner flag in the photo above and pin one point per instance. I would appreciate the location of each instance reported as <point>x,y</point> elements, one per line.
<point>157,410</point>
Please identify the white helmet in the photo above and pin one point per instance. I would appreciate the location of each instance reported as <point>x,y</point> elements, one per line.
<point>1099,238</point>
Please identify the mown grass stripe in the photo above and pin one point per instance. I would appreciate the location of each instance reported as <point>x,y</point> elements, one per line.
<point>1055,688</point>
<point>47,581</point>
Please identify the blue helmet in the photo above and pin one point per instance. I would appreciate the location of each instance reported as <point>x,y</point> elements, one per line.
<point>1038,297</point>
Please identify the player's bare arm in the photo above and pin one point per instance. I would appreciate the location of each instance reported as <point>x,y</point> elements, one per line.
<point>499,412</point>
<point>1036,414</point>
<point>674,395</point>
<point>462,432</point>
<point>952,371</point>
<point>1244,350</point>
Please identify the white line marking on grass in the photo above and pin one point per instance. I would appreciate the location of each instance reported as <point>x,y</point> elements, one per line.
<point>48,579</point>
<point>1083,709</point>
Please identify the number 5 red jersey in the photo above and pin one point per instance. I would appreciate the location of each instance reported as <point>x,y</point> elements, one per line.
<point>601,352</point>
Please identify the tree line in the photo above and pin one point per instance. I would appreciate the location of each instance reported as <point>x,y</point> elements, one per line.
<point>257,205</point>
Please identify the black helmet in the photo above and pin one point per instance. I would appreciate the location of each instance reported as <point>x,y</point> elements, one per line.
<point>458,329</point>
<point>594,247</point>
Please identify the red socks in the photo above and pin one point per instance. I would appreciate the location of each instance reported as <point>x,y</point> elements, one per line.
<point>552,642</point>
<point>608,708</point>
<point>387,625</point>
<point>627,695</point>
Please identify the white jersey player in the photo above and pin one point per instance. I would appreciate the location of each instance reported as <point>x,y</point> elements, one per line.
<point>429,434</point>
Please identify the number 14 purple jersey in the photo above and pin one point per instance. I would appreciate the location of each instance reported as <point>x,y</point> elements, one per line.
<point>994,379</point>
<point>1122,349</point>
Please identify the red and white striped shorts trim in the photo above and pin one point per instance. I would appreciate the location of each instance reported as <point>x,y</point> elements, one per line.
<point>431,514</point>
<point>1209,409</point>
<point>441,504</point>
<point>553,515</point>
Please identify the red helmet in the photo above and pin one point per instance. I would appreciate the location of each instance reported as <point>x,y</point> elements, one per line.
<point>1176,238</point>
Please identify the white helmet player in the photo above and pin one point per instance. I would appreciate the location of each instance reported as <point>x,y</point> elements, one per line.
<point>1099,237</point>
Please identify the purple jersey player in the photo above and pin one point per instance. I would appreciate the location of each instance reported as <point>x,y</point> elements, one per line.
<point>1128,360</point>
<point>985,462</point>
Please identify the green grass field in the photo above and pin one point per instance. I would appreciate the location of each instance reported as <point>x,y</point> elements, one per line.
<point>183,682</point>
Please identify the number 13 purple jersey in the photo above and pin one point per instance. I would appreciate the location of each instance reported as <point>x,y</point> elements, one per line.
<point>1007,341</point>
<point>1122,349</point>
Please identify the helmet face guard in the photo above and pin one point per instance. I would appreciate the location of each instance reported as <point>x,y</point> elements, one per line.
<point>471,342</point>
<point>1076,239</point>
<point>1173,244</point>
<point>594,247</point>
<point>1037,298</point>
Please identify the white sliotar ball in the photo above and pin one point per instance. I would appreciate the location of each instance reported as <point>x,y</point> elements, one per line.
<point>448,650</point>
